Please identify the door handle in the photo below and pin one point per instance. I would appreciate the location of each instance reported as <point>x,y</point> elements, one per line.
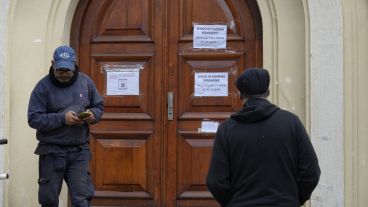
<point>170,106</point>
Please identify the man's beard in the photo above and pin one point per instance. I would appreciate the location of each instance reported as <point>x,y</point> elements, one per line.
<point>63,80</point>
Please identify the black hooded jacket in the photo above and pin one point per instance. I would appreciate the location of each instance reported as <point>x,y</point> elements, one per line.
<point>262,157</point>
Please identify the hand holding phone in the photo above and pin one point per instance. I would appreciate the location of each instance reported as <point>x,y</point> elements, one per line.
<point>83,115</point>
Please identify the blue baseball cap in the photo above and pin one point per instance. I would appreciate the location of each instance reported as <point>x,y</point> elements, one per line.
<point>64,57</point>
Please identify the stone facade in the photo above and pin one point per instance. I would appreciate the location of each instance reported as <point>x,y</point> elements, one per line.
<point>315,50</point>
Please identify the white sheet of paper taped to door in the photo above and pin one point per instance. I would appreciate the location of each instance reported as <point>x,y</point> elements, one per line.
<point>125,82</point>
<point>209,126</point>
<point>210,36</point>
<point>211,84</point>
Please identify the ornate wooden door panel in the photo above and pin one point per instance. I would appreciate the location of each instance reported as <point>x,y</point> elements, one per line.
<point>140,158</point>
<point>126,144</point>
<point>189,150</point>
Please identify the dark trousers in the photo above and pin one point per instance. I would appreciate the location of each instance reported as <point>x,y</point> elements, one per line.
<point>72,166</point>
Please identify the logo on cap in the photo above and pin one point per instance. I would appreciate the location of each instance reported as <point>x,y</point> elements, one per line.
<point>64,55</point>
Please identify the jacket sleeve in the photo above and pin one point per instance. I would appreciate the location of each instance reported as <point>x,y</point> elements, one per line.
<point>38,117</point>
<point>218,177</point>
<point>96,103</point>
<point>308,167</point>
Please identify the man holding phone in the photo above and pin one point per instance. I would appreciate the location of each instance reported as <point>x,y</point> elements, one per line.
<point>62,106</point>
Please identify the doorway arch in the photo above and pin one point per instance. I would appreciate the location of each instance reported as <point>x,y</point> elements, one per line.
<point>142,157</point>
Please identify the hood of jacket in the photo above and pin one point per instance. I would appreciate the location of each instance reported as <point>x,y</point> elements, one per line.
<point>255,110</point>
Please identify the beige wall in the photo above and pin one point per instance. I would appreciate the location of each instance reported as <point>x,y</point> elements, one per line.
<point>4,92</point>
<point>25,59</point>
<point>356,101</point>
<point>284,45</point>
<point>36,27</point>
<point>326,99</point>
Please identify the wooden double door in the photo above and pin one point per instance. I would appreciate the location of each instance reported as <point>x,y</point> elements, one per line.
<point>141,156</point>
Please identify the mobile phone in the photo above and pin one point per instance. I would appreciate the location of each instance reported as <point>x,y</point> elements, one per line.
<point>84,114</point>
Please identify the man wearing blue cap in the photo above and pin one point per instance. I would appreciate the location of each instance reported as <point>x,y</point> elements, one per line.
<point>262,155</point>
<point>62,106</point>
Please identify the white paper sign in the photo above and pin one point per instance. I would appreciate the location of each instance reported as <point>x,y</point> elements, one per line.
<point>211,84</point>
<point>210,36</point>
<point>124,82</point>
<point>209,126</point>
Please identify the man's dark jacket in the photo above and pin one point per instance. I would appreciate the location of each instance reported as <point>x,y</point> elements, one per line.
<point>49,102</point>
<point>262,156</point>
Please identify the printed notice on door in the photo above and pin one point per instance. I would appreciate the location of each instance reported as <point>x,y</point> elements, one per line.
<point>123,82</point>
<point>210,36</point>
<point>209,126</point>
<point>211,84</point>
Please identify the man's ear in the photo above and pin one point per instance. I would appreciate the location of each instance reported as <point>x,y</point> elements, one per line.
<point>268,92</point>
<point>52,63</point>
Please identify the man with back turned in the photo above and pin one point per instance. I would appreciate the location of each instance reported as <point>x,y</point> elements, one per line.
<point>262,155</point>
